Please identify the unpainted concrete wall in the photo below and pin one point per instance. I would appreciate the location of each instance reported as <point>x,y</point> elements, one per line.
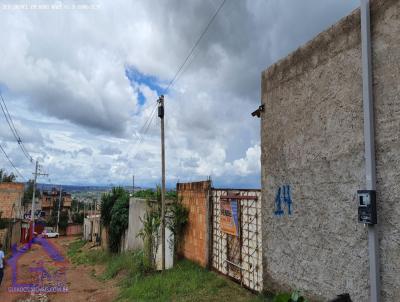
<point>312,141</point>
<point>87,229</point>
<point>104,239</point>
<point>130,240</point>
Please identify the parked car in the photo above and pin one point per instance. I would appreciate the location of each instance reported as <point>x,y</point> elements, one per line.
<point>51,234</point>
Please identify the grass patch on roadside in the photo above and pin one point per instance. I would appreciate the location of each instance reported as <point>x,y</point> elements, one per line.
<point>185,282</point>
<point>78,256</point>
<point>129,264</point>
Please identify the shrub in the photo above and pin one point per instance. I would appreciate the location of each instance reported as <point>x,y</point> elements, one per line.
<point>115,216</point>
<point>77,217</point>
<point>286,297</point>
<point>178,219</point>
<point>150,231</point>
<point>119,222</point>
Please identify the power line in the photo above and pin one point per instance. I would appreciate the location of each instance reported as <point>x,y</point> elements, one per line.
<point>146,126</point>
<point>13,129</point>
<point>194,46</point>
<point>149,118</point>
<point>12,164</point>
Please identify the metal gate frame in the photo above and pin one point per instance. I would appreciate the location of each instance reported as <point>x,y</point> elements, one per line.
<point>250,238</point>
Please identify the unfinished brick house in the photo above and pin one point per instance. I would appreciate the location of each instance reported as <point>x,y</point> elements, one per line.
<point>11,195</point>
<point>49,199</point>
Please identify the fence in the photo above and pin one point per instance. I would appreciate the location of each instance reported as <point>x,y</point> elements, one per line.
<point>224,231</point>
<point>237,252</point>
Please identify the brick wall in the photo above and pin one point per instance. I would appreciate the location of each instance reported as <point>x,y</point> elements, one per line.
<point>11,194</point>
<point>194,245</point>
<point>74,229</point>
<point>3,235</point>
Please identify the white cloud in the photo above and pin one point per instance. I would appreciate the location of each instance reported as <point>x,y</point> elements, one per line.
<point>250,164</point>
<point>63,74</point>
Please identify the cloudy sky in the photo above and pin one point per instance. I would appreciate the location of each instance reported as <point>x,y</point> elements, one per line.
<point>81,82</point>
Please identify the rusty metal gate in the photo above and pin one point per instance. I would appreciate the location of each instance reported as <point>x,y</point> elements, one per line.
<point>238,253</point>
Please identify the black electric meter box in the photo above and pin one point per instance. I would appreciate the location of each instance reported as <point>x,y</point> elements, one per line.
<point>367,206</point>
<point>161,111</point>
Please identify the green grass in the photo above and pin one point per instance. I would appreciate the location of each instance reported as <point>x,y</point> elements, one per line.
<point>130,264</point>
<point>77,256</point>
<point>185,282</point>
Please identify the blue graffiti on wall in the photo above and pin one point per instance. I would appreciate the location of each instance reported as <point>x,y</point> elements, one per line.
<point>282,198</point>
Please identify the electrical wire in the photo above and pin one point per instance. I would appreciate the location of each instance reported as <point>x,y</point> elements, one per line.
<point>180,69</point>
<point>146,126</point>
<point>150,117</point>
<point>171,83</point>
<point>12,164</point>
<point>14,129</point>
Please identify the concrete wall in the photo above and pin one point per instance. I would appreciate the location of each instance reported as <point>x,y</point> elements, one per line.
<point>87,229</point>
<point>312,141</point>
<point>91,227</point>
<point>130,240</point>
<point>11,195</point>
<point>104,239</point>
<point>195,242</point>
<point>169,251</point>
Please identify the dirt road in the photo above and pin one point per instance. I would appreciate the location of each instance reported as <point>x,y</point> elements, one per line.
<point>78,282</point>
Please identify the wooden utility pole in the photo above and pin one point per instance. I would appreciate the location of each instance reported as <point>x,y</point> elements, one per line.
<point>161,116</point>
<point>59,205</point>
<point>36,174</point>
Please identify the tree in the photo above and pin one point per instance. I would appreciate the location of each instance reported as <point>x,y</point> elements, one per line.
<point>115,215</point>
<point>107,202</point>
<point>76,205</point>
<point>28,194</point>
<point>64,217</point>
<point>119,221</point>
<point>155,194</point>
<point>63,223</point>
<point>4,177</point>
<point>77,217</point>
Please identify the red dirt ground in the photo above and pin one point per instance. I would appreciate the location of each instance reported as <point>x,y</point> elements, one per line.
<point>82,285</point>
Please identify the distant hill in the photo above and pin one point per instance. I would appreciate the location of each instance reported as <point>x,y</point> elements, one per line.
<point>75,188</point>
